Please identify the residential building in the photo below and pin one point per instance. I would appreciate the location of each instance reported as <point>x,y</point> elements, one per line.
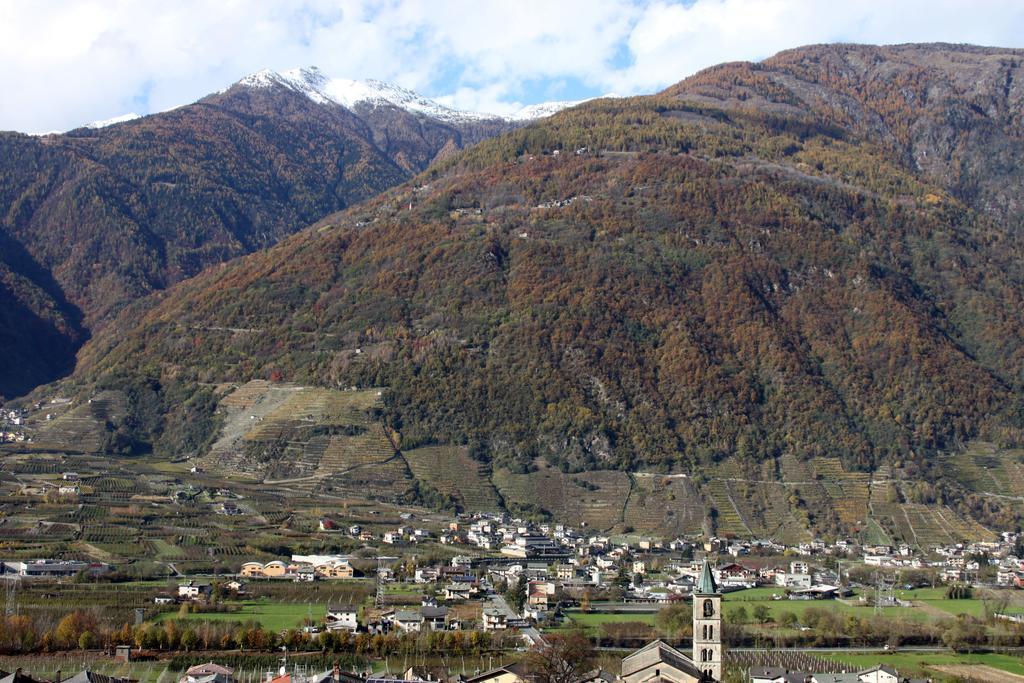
<point>495,620</point>
<point>194,591</point>
<point>342,618</point>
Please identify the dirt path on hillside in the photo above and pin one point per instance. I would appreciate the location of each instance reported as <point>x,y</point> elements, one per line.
<point>979,672</point>
<point>932,610</point>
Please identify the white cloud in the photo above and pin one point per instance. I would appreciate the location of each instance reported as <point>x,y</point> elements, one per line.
<point>67,62</point>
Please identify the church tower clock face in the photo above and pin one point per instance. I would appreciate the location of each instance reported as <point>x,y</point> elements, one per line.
<point>709,608</point>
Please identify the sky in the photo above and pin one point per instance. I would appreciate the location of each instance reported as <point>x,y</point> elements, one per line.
<point>68,62</point>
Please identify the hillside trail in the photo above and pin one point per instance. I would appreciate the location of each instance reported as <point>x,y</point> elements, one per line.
<point>931,610</point>
<point>978,672</point>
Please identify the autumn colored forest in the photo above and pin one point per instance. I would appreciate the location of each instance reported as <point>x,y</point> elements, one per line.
<point>763,260</point>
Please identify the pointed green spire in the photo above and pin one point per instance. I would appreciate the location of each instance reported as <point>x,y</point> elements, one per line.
<point>706,585</point>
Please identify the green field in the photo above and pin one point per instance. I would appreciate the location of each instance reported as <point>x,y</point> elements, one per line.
<point>937,593</point>
<point>917,663</point>
<point>592,621</point>
<point>930,604</point>
<point>798,607</point>
<point>275,616</point>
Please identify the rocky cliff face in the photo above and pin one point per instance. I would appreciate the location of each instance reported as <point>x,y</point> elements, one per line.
<point>952,112</point>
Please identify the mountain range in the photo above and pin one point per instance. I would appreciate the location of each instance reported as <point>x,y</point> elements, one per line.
<point>814,256</point>
<point>113,211</point>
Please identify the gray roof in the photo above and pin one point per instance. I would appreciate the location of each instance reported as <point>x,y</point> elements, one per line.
<point>209,668</point>
<point>15,677</point>
<point>659,652</point>
<point>836,678</point>
<point>86,676</point>
<point>341,677</point>
<point>706,585</point>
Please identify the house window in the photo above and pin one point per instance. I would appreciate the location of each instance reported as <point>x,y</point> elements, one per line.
<point>709,608</point>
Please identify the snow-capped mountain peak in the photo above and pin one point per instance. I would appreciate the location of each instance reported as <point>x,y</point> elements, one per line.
<point>351,93</point>
<point>539,111</point>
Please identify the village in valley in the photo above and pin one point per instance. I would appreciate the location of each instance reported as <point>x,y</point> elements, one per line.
<point>508,585</point>
<point>339,564</point>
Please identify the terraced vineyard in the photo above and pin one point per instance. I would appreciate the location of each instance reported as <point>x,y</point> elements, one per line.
<point>814,498</point>
<point>289,432</point>
<point>781,521</point>
<point>344,453</point>
<point>728,520</point>
<point>963,529</point>
<point>450,470</point>
<point>313,445</point>
<point>849,491</point>
<point>664,504</point>
<point>596,499</point>
<point>884,505</point>
<point>388,481</point>
<point>984,468</point>
<point>83,428</point>
<point>926,527</point>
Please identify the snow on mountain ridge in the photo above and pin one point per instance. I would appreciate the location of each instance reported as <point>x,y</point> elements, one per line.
<point>542,109</point>
<point>116,119</point>
<point>349,93</point>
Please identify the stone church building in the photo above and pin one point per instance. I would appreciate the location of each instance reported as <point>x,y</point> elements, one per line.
<point>658,662</point>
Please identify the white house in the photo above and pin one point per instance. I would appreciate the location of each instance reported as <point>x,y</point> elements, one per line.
<point>193,590</point>
<point>342,618</point>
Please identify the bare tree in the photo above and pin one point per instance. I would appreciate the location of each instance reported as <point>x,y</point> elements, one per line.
<point>560,658</point>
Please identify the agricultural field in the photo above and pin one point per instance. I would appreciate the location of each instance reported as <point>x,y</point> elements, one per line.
<point>663,503</point>
<point>985,468</point>
<point>320,448</point>
<point>927,604</point>
<point>595,499</point>
<point>450,471</point>
<point>592,621</point>
<point>274,616</point>
<point>153,520</point>
<point>309,439</point>
<point>953,665</point>
<point>79,428</point>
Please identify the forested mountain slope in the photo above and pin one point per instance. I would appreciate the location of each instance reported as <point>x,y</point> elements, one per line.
<point>114,213</point>
<point>953,113</point>
<point>751,266</point>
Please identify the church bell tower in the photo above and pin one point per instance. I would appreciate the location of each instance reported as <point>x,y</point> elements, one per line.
<point>707,624</point>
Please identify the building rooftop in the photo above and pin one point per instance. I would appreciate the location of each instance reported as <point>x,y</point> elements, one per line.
<point>706,585</point>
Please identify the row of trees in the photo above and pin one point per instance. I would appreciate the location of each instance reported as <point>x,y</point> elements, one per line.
<point>829,627</point>
<point>82,630</point>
